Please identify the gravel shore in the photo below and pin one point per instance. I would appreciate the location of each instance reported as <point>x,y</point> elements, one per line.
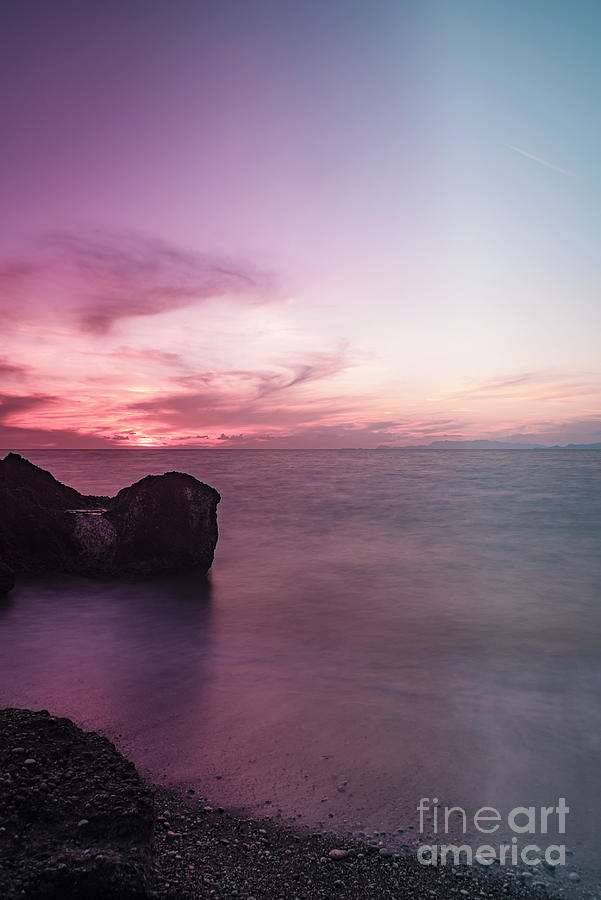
<point>203,851</point>
<point>77,822</point>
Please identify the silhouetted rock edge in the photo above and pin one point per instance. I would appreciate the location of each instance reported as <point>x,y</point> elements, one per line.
<point>161,524</point>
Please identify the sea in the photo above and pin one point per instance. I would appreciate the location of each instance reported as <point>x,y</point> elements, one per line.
<point>378,627</point>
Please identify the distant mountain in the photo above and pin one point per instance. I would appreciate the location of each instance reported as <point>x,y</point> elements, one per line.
<point>484,445</point>
<point>491,445</point>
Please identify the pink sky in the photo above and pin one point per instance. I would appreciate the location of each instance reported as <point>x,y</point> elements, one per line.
<point>276,226</point>
<point>121,340</point>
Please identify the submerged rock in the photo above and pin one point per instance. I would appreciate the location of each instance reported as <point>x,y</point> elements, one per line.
<point>79,823</point>
<point>161,524</point>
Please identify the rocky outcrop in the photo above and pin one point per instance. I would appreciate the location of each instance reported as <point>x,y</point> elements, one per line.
<point>161,524</point>
<point>77,819</point>
<point>7,578</point>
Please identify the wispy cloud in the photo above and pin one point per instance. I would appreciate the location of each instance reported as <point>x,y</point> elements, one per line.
<point>528,386</point>
<point>98,277</point>
<point>543,162</point>
<point>14,405</point>
<point>245,397</point>
<point>23,438</point>
<point>10,369</point>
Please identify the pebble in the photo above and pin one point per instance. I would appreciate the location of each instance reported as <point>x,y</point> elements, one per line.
<point>29,762</point>
<point>338,854</point>
<point>574,876</point>
<point>82,822</point>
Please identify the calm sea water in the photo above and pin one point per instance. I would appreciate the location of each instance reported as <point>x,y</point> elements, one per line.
<point>377,627</point>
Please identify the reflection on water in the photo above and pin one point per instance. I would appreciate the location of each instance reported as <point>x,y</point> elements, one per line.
<point>111,651</point>
<point>377,627</point>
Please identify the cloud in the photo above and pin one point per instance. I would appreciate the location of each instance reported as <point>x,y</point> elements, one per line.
<point>24,438</point>
<point>177,413</point>
<point>316,435</point>
<point>122,435</point>
<point>529,386</point>
<point>99,277</point>
<point>314,367</point>
<point>150,355</point>
<point>317,367</point>
<point>12,370</point>
<point>245,397</point>
<point>542,161</point>
<point>11,404</point>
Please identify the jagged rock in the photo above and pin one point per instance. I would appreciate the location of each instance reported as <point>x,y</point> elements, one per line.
<point>78,823</point>
<point>163,523</point>
<point>7,578</point>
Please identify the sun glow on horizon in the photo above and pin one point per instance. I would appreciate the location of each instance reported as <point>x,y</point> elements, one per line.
<point>300,267</point>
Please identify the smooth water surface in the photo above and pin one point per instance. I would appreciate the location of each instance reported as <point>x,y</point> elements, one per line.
<point>377,626</point>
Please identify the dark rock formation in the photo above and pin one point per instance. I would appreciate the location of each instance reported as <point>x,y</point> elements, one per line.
<point>77,819</point>
<point>163,523</point>
<point>7,578</point>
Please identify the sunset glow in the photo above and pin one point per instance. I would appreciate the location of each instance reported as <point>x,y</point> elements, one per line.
<point>298,225</point>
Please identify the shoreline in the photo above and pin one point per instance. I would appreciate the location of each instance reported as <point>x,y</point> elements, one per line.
<point>79,822</point>
<point>206,851</point>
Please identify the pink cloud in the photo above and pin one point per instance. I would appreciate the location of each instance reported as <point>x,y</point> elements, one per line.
<point>99,277</point>
<point>13,404</point>
<point>10,369</point>
<point>243,373</point>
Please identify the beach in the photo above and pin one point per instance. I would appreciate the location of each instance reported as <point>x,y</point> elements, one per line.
<point>79,822</point>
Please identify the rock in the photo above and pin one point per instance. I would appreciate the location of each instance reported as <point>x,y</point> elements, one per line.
<point>46,850</point>
<point>7,578</point>
<point>161,524</point>
<point>338,854</point>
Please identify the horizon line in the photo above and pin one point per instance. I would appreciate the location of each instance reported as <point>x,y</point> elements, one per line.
<point>593,445</point>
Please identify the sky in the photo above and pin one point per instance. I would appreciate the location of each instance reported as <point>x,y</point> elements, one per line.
<point>299,224</point>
